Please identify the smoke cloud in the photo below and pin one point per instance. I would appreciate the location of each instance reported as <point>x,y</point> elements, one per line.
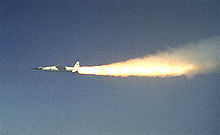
<point>191,59</point>
<point>204,55</point>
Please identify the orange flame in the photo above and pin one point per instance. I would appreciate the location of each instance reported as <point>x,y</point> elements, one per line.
<point>189,60</point>
<point>150,66</point>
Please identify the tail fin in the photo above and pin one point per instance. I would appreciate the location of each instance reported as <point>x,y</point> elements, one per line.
<point>76,67</point>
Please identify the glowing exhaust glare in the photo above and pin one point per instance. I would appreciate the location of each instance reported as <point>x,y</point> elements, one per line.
<point>128,68</point>
<point>192,59</point>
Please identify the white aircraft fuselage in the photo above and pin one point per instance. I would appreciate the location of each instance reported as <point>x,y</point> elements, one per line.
<point>59,68</point>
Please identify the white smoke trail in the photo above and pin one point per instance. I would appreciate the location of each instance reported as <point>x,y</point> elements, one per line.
<point>205,55</point>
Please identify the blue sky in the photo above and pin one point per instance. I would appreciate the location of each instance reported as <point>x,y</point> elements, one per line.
<point>48,33</point>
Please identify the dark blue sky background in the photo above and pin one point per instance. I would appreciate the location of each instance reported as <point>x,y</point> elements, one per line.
<point>47,33</point>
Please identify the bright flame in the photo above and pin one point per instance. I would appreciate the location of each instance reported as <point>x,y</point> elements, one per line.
<point>141,67</point>
<point>189,60</point>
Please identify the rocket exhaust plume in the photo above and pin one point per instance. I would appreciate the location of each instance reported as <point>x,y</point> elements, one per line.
<point>192,59</point>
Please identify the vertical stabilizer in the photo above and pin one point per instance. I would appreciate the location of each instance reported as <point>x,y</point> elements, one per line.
<point>76,67</point>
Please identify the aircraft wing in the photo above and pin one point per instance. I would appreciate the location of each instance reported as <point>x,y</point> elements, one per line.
<point>60,67</point>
